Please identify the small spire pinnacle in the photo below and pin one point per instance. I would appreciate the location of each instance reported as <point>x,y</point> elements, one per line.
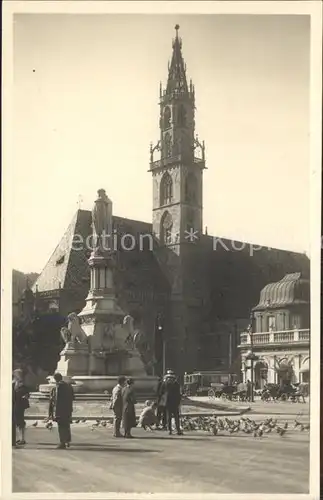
<point>177,28</point>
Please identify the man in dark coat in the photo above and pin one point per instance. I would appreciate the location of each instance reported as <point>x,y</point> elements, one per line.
<point>13,421</point>
<point>20,404</point>
<point>171,391</point>
<point>128,408</point>
<point>61,409</point>
<point>116,406</point>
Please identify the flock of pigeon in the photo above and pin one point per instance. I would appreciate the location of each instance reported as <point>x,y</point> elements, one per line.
<point>212,425</point>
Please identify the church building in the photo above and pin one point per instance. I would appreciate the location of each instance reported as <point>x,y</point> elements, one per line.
<point>201,288</point>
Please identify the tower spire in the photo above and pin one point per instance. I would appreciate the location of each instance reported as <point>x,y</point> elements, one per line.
<point>177,70</point>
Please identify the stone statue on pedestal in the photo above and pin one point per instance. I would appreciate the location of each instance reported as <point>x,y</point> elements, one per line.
<point>73,334</point>
<point>133,334</point>
<point>102,222</point>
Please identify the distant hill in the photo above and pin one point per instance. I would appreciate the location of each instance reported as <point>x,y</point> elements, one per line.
<point>19,281</point>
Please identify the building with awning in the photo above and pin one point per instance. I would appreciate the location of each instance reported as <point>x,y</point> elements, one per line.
<point>278,339</point>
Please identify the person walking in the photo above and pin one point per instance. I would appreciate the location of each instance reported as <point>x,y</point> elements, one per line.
<point>128,408</point>
<point>61,409</point>
<point>116,406</point>
<point>20,403</point>
<point>172,391</point>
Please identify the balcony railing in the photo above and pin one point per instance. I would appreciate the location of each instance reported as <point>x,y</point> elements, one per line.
<point>176,159</point>
<point>281,337</point>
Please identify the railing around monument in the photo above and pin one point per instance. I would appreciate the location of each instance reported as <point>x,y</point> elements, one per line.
<point>276,337</point>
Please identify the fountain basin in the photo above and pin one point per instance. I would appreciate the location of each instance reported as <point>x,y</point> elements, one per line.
<point>103,384</point>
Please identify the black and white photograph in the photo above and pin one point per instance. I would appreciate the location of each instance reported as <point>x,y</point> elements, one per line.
<point>161,249</point>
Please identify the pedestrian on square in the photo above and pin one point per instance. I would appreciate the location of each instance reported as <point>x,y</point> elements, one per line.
<point>20,403</point>
<point>61,409</point>
<point>161,406</point>
<point>128,408</point>
<point>116,406</point>
<point>249,391</point>
<point>172,392</point>
<point>13,420</point>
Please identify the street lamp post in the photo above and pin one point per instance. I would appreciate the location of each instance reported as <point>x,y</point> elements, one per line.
<point>164,356</point>
<point>252,358</point>
<point>161,343</point>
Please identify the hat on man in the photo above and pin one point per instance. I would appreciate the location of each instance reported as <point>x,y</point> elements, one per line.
<point>170,374</point>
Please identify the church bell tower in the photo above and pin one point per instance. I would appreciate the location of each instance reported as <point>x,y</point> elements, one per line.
<point>178,172</point>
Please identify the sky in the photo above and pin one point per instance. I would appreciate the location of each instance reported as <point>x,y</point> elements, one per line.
<point>85,103</point>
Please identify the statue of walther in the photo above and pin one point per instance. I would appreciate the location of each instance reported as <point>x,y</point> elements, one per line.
<point>102,222</point>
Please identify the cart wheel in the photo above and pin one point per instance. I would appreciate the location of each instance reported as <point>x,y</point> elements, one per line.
<point>211,393</point>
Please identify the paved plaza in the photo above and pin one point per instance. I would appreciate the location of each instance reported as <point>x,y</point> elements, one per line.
<point>156,462</point>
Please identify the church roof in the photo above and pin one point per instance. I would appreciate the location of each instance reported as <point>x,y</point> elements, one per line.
<point>292,289</point>
<point>68,265</point>
<point>236,272</point>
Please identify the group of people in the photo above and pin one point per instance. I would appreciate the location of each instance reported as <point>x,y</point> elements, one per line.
<point>158,413</point>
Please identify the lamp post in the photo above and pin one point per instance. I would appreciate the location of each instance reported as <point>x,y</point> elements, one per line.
<point>164,356</point>
<point>160,344</point>
<point>251,356</point>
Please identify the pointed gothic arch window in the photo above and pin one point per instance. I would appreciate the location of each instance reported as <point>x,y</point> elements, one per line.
<point>166,228</point>
<point>181,116</point>
<point>167,117</point>
<point>190,188</point>
<point>166,189</point>
<point>168,145</point>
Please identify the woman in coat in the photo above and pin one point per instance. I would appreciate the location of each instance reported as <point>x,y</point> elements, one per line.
<point>20,404</point>
<point>128,408</point>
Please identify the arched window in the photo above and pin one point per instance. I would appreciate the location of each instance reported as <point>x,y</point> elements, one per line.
<point>167,116</point>
<point>166,228</point>
<point>181,116</point>
<point>190,188</point>
<point>166,189</point>
<point>168,145</point>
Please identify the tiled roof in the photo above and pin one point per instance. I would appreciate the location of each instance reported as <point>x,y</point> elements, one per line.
<point>235,277</point>
<point>53,276</point>
<point>68,266</point>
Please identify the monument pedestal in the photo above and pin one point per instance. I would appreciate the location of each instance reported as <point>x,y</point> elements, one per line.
<point>102,322</point>
<point>74,360</point>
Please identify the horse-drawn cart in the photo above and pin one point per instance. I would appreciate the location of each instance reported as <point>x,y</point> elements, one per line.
<point>204,383</point>
<point>232,392</point>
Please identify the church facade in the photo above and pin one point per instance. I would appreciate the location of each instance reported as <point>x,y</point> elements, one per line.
<point>201,287</point>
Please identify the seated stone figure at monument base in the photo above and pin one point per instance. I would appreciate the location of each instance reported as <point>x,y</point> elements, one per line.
<point>74,332</point>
